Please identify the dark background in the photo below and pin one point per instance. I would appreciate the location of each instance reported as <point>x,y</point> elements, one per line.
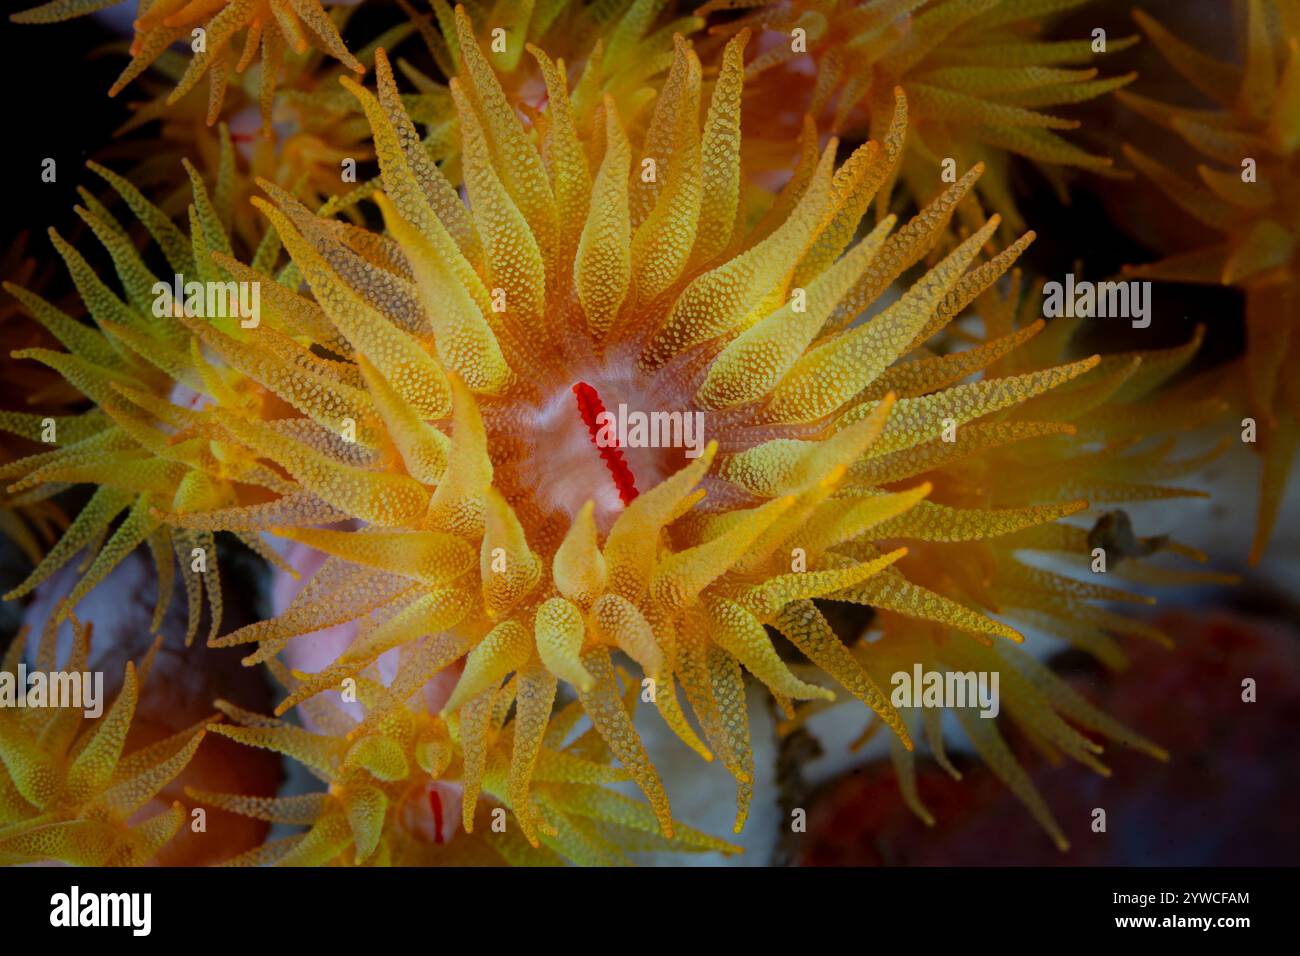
<point>57,106</point>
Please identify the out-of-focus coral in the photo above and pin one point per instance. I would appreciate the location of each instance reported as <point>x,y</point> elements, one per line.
<point>1214,803</point>
<point>32,520</point>
<point>313,135</point>
<point>212,29</point>
<point>1248,193</point>
<point>184,681</point>
<point>314,147</point>
<point>620,49</point>
<point>981,82</point>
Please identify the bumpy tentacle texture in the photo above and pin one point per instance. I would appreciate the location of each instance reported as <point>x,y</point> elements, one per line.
<point>1248,191</point>
<point>1090,439</point>
<point>776,448</point>
<point>67,790</point>
<point>32,520</point>
<point>144,444</point>
<point>620,49</point>
<point>981,84</point>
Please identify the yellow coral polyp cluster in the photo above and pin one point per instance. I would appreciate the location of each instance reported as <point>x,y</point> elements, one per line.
<point>691,610</point>
<point>415,420</point>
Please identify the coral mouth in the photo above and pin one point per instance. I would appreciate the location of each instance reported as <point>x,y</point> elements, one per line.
<point>589,437</point>
<point>591,408</point>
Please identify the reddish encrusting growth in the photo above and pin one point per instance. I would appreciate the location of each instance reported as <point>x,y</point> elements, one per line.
<point>590,407</point>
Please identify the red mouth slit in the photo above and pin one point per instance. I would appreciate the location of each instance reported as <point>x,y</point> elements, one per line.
<point>589,407</point>
<point>435,804</point>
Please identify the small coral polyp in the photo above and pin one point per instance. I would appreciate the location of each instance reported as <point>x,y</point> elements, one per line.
<point>398,779</point>
<point>68,791</point>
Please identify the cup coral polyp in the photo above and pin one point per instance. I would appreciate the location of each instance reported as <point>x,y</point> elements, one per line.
<point>663,278</point>
<point>1083,442</point>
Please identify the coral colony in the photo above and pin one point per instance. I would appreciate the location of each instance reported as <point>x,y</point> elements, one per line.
<point>646,347</point>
